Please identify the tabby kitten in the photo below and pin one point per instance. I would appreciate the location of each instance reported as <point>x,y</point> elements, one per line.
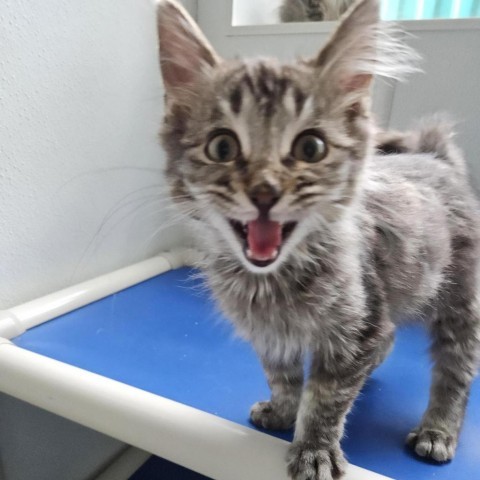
<point>314,243</point>
<point>313,10</point>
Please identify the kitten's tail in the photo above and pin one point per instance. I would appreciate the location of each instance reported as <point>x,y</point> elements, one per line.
<point>432,135</point>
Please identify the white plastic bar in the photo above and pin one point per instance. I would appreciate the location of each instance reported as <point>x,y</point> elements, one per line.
<point>202,442</point>
<point>15,321</point>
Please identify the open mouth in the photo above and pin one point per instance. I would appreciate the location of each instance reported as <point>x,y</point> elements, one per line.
<point>262,239</point>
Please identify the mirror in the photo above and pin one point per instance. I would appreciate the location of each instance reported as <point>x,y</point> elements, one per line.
<point>267,12</point>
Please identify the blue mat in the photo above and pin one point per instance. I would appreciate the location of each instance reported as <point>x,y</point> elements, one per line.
<point>166,337</point>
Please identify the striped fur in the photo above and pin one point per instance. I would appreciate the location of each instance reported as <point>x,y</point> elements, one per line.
<point>374,236</point>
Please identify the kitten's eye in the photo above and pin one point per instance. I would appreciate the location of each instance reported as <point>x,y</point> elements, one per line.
<point>223,147</point>
<point>309,147</point>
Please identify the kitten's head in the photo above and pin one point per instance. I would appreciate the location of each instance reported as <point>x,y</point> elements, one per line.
<point>262,153</point>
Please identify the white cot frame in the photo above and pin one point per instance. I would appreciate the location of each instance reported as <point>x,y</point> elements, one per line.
<point>197,440</point>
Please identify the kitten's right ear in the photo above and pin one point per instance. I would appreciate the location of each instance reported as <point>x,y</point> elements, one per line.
<point>186,56</point>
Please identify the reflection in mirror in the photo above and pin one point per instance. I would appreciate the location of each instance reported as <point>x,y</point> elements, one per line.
<point>312,10</point>
<point>261,12</point>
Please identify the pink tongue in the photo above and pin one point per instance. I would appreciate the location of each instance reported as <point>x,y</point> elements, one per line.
<point>264,238</point>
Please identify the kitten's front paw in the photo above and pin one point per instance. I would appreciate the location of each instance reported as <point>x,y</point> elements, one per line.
<point>272,417</point>
<point>431,443</point>
<point>308,463</point>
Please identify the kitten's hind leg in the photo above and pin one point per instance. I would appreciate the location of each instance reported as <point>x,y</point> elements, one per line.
<point>286,382</point>
<point>456,341</point>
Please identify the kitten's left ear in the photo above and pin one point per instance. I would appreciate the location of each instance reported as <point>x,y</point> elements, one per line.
<point>362,46</point>
<point>185,53</point>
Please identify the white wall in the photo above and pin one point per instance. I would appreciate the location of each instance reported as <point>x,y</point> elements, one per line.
<point>37,445</point>
<point>80,107</point>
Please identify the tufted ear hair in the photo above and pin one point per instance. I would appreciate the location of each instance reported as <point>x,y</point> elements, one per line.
<point>186,56</point>
<point>362,46</point>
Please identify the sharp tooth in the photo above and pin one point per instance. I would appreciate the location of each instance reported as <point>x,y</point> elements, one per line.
<point>274,254</point>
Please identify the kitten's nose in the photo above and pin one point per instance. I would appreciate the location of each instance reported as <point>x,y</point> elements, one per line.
<point>264,196</point>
